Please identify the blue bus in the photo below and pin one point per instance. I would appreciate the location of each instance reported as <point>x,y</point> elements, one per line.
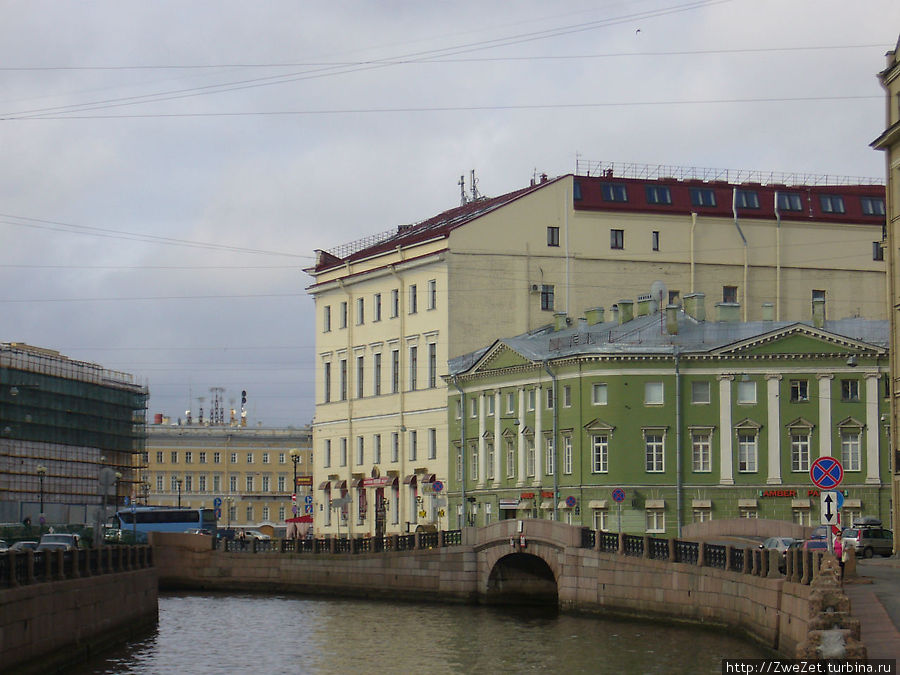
<point>144,519</point>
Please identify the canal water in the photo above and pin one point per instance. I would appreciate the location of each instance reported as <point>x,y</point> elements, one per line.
<point>201,634</point>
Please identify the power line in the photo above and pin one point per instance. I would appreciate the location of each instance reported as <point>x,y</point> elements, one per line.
<point>330,71</point>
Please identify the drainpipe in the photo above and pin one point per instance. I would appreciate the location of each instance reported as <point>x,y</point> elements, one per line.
<point>555,449</point>
<point>777,260</point>
<point>744,240</point>
<point>693,225</point>
<point>566,222</point>
<point>678,466</point>
<point>462,441</point>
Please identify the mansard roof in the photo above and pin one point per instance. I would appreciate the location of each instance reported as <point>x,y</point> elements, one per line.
<point>645,337</point>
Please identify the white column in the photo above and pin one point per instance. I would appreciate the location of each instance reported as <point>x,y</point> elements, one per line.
<point>538,436</point>
<point>873,431</point>
<point>726,454</point>
<point>520,481</point>
<point>773,405</point>
<point>482,427</point>
<point>497,438</point>
<point>825,414</point>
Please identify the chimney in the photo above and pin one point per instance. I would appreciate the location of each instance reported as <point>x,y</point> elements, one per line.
<point>594,315</point>
<point>643,305</point>
<point>626,311</point>
<point>818,309</point>
<point>768,311</point>
<point>559,320</point>
<point>672,319</point>
<point>728,312</point>
<point>582,324</point>
<point>614,313</point>
<point>695,305</point>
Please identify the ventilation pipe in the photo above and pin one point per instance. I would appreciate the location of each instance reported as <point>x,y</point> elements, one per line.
<point>737,226</point>
<point>695,306</point>
<point>728,312</point>
<point>594,315</point>
<point>643,305</point>
<point>559,320</point>
<point>818,312</point>
<point>626,311</point>
<point>672,319</point>
<point>693,226</point>
<point>614,313</point>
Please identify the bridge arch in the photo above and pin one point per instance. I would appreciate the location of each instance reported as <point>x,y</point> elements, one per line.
<point>521,579</point>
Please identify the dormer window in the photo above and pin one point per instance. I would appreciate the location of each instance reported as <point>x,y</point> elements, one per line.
<point>614,192</point>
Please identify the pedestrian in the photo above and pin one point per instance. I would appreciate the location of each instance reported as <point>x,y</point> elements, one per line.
<point>242,537</point>
<point>839,552</point>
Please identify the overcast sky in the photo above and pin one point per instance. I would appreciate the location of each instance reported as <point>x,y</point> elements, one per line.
<point>168,168</point>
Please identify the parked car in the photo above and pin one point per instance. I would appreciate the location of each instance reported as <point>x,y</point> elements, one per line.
<point>53,546</point>
<point>868,538</point>
<point>198,530</point>
<point>815,545</point>
<point>256,534</point>
<point>69,541</point>
<point>780,544</point>
<point>3,546</point>
<point>22,546</point>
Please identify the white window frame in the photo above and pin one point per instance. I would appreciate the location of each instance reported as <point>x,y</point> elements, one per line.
<point>656,521</point>
<point>701,451</point>
<point>654,451</point>
<point>600,453</point>
<point>599,393</point>
<point>851,448</point>
<point>567,454</point>
<point>746,392</point>
<point>700,392</point>
<point>654,393</point>
<point>801,443</point>
<point>748,450</point>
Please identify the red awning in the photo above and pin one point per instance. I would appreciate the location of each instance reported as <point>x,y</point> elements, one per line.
<point>410,479</point>
<point>325,484</point>
<point>428,478</point>
<point>300,519</point>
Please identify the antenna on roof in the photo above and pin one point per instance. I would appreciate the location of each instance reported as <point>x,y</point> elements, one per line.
<point>475,195</point>
<point>463,199</point>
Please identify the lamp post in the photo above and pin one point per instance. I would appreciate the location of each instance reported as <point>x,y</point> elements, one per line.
<point>295,458</point>
<point>228,502</point>
<point>41,472</point>
<point>178,483</point>
<point>116,496</point>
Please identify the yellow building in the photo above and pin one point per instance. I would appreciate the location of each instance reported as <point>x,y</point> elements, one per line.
<point>393,308</point>
<point>889,141</point>
<point>250,469</point>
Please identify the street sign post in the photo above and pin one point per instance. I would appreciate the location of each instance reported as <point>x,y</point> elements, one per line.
<point>829,507</point>
<point>618,496</point>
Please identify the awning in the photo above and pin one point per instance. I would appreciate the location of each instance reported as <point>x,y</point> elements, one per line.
<point>509,504</point>
<point>525,504</point>
<point>562,505</point>
<point>852,504</point>
<point>547,504</point>
<point>339,485</point>
<point>701,503</point>
<point>799,503</point>
<point>427,478</point>
<point>746,503</point>
<point>356,482</point>
<point>410,479</point>
<point>655,504</point>
<point>325,484</point>
<point>597,504</point>
<point>300,519</point>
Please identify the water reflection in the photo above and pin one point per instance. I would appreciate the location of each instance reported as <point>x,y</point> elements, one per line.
<point>216,633</point>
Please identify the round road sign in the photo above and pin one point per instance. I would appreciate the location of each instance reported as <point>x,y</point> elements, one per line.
<point>826,472</point>
<point>570,502</point>
<point>618,495</point>
<point>437,486</point>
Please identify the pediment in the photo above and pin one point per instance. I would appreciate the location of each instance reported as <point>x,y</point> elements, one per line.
<point>851,422</point>
<point>748,423</point>
<point>499,356</point>
<point>599,425</point>
<point>800,423</point>
<point>798,339</point>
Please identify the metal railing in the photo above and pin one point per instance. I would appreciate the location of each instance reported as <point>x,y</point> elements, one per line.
<point>344,545</point>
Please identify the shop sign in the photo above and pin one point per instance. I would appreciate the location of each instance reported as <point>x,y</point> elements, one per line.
<point>777,493</point>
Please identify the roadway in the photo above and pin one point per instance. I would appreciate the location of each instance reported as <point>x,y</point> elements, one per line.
<point>875,601</point>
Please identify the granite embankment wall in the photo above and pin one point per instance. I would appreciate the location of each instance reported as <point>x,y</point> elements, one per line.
<point>58,619</point>
<point>768,609</point>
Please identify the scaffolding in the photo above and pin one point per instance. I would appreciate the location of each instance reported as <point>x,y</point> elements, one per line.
<point>61,422</point>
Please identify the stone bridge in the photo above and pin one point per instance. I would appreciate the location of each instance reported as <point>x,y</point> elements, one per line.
<point>533,561</point>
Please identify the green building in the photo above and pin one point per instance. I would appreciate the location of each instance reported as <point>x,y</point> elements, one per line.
<point>71,436</point>
<point>665,419</point>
